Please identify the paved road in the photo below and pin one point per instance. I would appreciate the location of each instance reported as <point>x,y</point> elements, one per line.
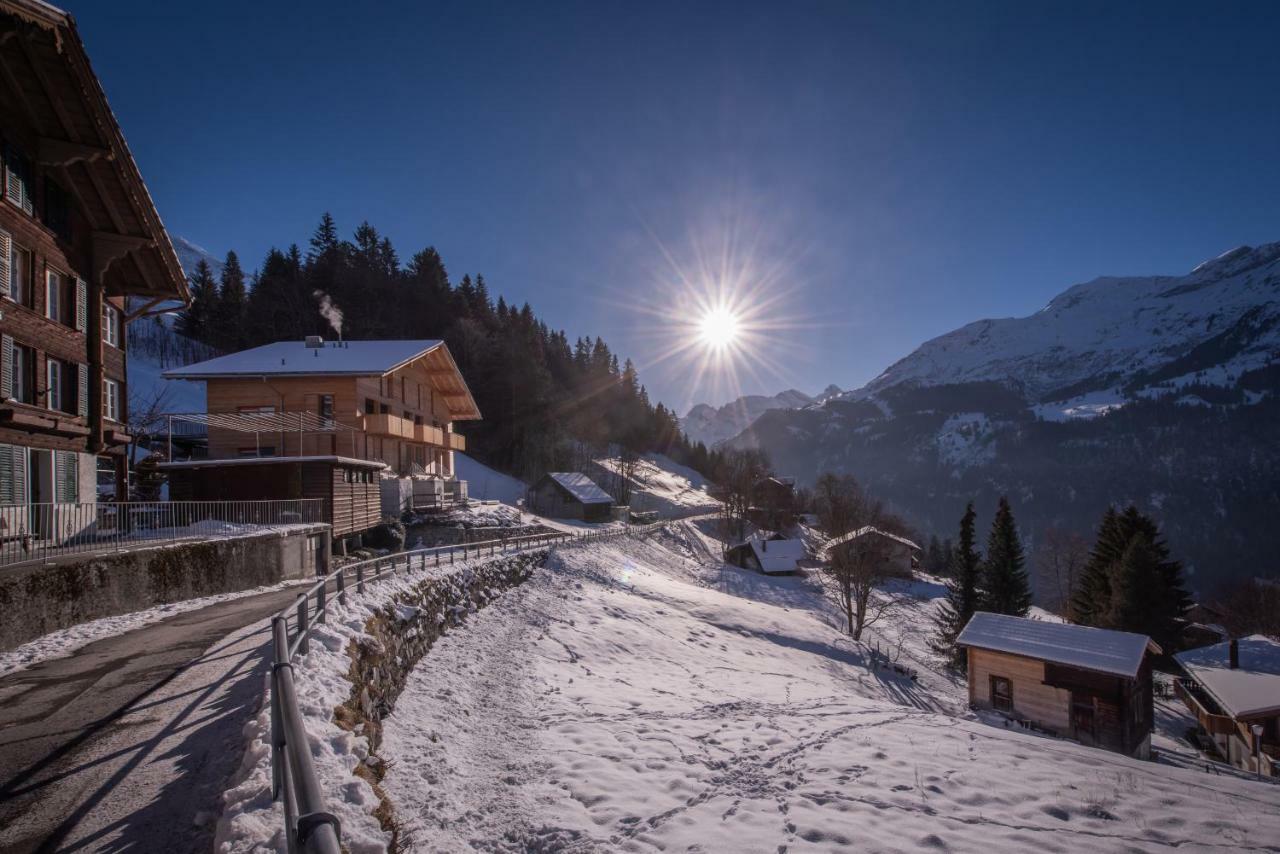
<point>127,744</point>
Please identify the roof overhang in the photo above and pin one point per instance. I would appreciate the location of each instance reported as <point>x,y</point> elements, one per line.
<point>448,381</point>
<point>350,462</point>
<point>46,78</point>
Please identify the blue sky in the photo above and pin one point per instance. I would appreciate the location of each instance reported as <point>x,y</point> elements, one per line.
<point>901,168</point>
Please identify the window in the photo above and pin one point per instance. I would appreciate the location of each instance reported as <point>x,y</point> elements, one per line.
<point>53,384</point>
<point>19,275</point>
<point>54,298</point>
<point>110,324</point>
<point>21,367</point>
<point>326,406</point>
<point>256,410</point>
<point>1001,694</point>
<point>403,396</point>
<point>369,406</point>
<point>111,400</point>
<point>417,421</point>
<point>17,178</point>
<point>13,478</point>
<point>384,409</point>
<point>57,209</point>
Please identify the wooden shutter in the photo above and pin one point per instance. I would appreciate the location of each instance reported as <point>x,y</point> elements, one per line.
<point>66,476</point>
<point>12,186</point>
<point>13,474</point>
<point>82,304</point>
<point>26,186</point>
<point>82,393</point>
<point>6,273</point>
<point>6,367</point>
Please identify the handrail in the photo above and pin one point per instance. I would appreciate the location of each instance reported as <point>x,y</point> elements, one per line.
<point>308,826</point>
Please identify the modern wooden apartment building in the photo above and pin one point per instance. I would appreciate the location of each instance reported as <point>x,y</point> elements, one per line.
<point>390,401</point>
<point>79,236</point>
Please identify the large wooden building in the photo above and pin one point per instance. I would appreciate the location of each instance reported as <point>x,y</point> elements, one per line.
<point>1093,685</point>
<point>394,402</point>
<point>1233,689</point>
<point>79,237</point>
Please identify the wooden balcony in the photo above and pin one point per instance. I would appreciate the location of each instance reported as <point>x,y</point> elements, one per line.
<point>386,424</point>
<point>1214,724</point>
<point>427,433</point>
<point>457,442</point>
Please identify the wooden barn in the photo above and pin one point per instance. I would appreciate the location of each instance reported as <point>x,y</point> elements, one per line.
<point>570,495</point>
<point>349,487</point>
<point>1093,685</point>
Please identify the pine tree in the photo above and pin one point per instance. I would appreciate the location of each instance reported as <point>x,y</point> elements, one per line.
<point>962,591</point>
<point>1130,582</point>
<point>1005,589</point>
<point>194,322</point>
<point>233,300</point>
<point>324,243</point>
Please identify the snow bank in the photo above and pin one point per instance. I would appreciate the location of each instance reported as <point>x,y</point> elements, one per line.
<point>484,483</point>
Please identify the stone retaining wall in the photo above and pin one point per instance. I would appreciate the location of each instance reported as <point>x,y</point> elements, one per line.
<point>37,599</point>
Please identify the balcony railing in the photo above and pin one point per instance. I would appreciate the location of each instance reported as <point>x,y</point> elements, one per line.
<point>457,442</point>
<point>386,424</point>
<point>1190,694</point>
<point>429,434</point>
<point>44,532</point>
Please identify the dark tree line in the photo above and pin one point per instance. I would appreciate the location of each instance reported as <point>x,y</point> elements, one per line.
<point>546,400</point>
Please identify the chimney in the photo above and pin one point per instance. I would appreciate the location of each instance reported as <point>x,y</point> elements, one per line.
<point>314,342</point>
<point>1233,654</point>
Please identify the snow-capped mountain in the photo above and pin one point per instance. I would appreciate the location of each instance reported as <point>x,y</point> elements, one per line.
<point>1157,390</point>
<point>1113,332</point>
<point>709,425</point>
<point>189,254</point>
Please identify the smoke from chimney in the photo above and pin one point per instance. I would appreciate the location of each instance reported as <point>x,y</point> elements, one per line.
<point>329,311</point>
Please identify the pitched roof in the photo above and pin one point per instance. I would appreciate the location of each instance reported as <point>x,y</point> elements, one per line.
<point>777,555</point>
<point>1102,650</point>
<point>1251,689</point>
<point>862,532</point>
<point>295,358</point>
<point>580,487</point>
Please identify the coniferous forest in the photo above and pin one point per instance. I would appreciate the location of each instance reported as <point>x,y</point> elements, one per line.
<point>546,399</point>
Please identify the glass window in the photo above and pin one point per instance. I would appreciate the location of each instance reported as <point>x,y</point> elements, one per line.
<point>22,365</point>
<point>111,400</point>
<point>53,296</point>
<point>326,406</point>
<point>1001,694</point>
<point>19,274</point>
<point>110,325</point>
<point>369,406</point>
<point>53,384</point>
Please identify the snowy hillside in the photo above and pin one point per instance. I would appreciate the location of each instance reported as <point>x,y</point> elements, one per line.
<point>189,254</point>
<point>633,697</point>
<point>1211,325</point>
<point>658,483</point>
<point>486,484</point>
<point>709,425</point>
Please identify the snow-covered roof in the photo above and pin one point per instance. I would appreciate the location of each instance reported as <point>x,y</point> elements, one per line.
<point>777,555</point>
<point>295,358</point>
<point>1102,650</point>
<point>581,487</point>
<point>862,532</point>
<point>1251,689</point>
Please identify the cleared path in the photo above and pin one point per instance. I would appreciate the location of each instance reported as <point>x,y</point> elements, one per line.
<point>126,745</point>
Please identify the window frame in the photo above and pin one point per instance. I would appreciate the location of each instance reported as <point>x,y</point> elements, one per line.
<point>53,294</point>
<point>22,373</point>
<point>111,399</point>
<point>52,386</point>
<point>1001,702</point>
<point>20,285</point>
<point>110,324</point>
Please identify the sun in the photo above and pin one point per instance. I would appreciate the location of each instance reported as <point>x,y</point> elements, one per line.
<point>719,328</point>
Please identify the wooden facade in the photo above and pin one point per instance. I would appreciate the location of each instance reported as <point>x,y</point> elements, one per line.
<point>78,237</point>
<point>548,497</point>
<point>1098,709</point>
<point>348,487</point>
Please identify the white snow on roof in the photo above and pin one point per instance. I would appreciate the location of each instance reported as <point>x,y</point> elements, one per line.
<point>356,358</point>
<point>777,555</point>
<point>862,532</point>
<point>1251,689</point>
<point>1103,650</point>
<point>581,487</point>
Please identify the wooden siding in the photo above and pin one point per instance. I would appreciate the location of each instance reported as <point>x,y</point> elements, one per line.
<point>1042,704</point>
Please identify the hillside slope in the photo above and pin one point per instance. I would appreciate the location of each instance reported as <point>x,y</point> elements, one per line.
<point>1160,391</point>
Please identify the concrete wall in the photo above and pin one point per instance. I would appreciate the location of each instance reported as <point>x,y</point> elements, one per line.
<point>39,599</point>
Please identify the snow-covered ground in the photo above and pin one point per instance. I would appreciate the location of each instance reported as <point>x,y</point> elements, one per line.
<point>66,641</point>
<point>659,483</point>
<point>641,696</point>
<point>484,483</point>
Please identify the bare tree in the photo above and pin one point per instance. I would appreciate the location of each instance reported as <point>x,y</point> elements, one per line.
<point>1060,562</point>
<point>741,471</point>
<point>861,564</point>
<point>146,419</point>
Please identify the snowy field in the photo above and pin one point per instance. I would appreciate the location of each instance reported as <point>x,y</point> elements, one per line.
<point>643,697</point>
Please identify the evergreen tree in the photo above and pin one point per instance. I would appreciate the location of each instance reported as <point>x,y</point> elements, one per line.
<point>324,242</point>
<point>233,301</point>
<point>1130,582</point>
<point>962,591</point>
<point>194,322</point>
<point>1005,589</point>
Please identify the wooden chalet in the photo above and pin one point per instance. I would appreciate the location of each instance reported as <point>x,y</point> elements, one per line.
<point>79,237</point>
<point>1233,689</point>
<point>394,402</point>
<point>569,495</point>
<point>1092,685</point>
<point>349,487</point>
<point>900,554</point>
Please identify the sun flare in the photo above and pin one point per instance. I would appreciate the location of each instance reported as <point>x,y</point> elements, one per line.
<point>719,328</point>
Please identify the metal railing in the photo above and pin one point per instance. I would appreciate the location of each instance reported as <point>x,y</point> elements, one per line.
<point>309,827</point>
<point>44,532</point>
